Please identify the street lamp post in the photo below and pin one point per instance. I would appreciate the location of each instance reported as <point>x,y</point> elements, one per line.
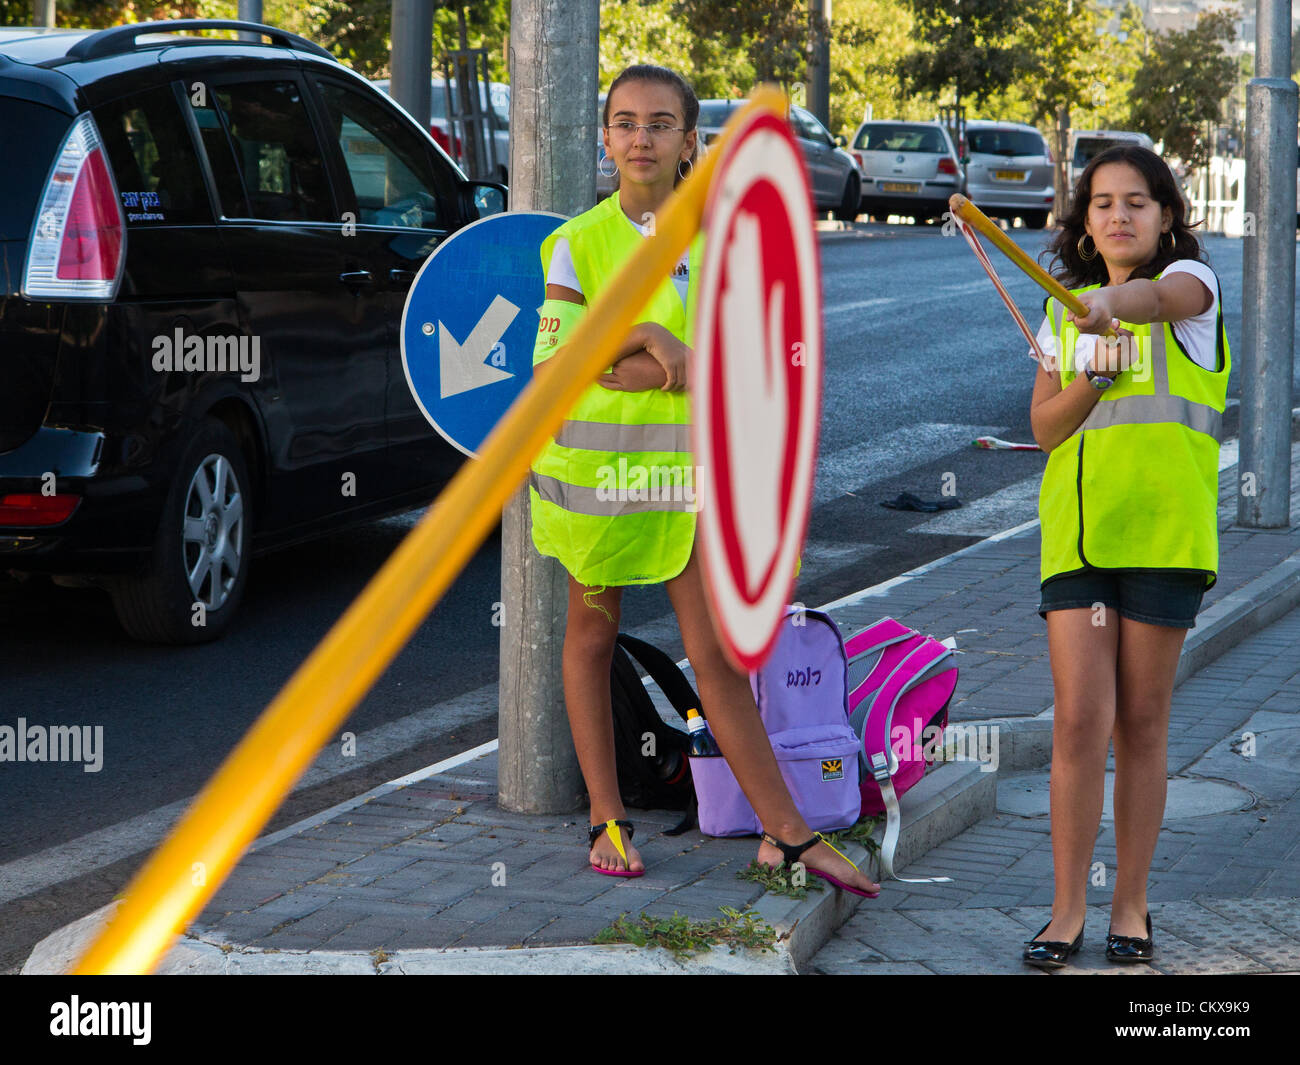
<point>1268,276</point>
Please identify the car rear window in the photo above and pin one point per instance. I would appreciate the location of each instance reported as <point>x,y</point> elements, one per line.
<point>1005,142</point>
<point>872,138</point>
<point>1088,147</point>
<point>40,131</point>
<point>157,174</point>
<point>717,112</point>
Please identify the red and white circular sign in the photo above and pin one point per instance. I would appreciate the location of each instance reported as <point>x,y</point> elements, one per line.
<point>756,383</point>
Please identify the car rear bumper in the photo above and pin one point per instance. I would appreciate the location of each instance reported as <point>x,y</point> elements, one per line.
<point>112,528</point>
<point>1000,195</point>
<point>929,196</point>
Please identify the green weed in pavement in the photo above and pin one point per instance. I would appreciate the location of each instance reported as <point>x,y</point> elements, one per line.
<point>686,938</point>
<point>777,879</point>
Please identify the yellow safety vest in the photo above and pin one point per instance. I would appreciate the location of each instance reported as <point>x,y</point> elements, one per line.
<point>613,493</point>
<point>1137,484</point>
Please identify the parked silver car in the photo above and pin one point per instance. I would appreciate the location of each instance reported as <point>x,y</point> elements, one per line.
<point>907,168</point>
<point>1085,144</point>
<point>1009,171</point>
<point>832,172</point>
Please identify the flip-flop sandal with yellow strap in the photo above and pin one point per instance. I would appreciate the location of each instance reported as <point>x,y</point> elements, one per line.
<point>792,853</point>
<point>612,827</point>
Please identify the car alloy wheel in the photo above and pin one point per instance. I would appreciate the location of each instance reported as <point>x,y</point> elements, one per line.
<point>213,538</point>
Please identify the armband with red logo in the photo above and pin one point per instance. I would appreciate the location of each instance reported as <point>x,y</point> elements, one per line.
<point>557,320</point>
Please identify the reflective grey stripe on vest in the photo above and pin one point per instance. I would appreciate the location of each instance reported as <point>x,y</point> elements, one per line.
<point>609,503</point>
<point>1152,410</point>
<point>616,437</point>
<point>1161,407</point>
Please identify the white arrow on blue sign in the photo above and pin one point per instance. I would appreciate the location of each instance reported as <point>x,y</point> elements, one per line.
<point>470,324</point>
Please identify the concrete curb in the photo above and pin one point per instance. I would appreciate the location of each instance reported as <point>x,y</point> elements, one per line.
<point>945,802</point>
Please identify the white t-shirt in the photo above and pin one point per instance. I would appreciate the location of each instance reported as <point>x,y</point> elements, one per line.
<point>563,273</point>
<point>1199,335</point>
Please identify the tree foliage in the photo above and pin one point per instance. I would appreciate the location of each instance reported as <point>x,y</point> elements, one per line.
<point>966,45</point>
<point>1181,84</point>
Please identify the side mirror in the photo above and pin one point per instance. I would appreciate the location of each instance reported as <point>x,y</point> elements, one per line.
<point>483,198</point>
<point>840,141</point>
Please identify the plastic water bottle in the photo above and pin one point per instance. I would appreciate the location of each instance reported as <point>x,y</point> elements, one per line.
<point>702,743</point>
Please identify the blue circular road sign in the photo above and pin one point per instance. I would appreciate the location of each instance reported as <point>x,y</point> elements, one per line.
<point>470,324</point>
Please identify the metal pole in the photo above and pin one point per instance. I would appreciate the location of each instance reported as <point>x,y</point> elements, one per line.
<point>554,87</point>
<point>1268,293</point>
<point>250,11</point>
<point>819,61</point>
<point>45,15</point>
<point>412,80</point>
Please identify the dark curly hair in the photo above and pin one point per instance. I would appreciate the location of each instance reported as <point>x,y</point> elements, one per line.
<point>1073,271</point>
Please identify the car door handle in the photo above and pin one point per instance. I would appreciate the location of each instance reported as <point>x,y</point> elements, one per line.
<point>357,277</point>
<point>401,277</point>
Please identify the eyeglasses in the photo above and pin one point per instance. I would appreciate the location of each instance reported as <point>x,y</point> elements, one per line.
<point>655,129</point>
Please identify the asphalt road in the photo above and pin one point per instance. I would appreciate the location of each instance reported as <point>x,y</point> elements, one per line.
<point>921,358</point>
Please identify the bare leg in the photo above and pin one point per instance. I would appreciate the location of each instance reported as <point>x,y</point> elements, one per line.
<point>733,719</point>
<point>589,638</point>
<point>1083,656</point>
<point>1148,661</point>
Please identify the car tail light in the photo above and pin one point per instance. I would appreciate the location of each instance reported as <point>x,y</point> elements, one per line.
<point>948,166</point>
<point>857,158</point>
<point>36,509</point>
<point>1050,157</point>
<point>78,244</point>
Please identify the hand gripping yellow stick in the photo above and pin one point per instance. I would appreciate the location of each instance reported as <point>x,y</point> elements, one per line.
<point>191,863</point>
<point>980,222</point>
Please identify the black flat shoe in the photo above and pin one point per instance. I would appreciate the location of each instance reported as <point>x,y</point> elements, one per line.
<point>1131,948</point>
<point>1050,953</point>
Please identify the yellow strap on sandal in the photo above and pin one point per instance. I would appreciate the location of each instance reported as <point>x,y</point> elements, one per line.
<point>612,830</point>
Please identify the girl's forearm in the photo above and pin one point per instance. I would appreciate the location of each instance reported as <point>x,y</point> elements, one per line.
<point>1055,420</point>
<point>1137,302</point>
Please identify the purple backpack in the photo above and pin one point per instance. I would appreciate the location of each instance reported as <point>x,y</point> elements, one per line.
<point>894,711</point>
<point>802,696</point>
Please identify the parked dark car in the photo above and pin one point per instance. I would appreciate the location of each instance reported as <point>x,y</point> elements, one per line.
<point>205,248</point>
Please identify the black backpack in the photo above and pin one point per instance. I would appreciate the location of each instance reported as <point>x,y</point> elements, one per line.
<point>659,779</point>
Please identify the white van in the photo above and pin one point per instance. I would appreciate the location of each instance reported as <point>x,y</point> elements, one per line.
<point>1085,144</point>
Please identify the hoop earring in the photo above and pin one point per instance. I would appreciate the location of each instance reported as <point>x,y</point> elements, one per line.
<point>690,168</point>
<point>601,167</point>
<point>1173,242</point>
<point>1085,256</point>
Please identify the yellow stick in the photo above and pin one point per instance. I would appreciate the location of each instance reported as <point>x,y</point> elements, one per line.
<point>979,221</point>
<point>192,862</point>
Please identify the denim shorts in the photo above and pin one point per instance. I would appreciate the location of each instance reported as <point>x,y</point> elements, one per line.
<point>1153,596</point>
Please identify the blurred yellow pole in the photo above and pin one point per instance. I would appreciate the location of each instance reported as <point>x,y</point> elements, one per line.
<point>979,221</point>
<point>192,862</point>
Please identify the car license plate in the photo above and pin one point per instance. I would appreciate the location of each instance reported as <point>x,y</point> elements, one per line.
<point>899,186</point>
<point>1009,175</point>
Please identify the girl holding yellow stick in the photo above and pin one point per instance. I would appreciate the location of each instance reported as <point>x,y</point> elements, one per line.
<point>637,415</point>
<point>1129,530</point>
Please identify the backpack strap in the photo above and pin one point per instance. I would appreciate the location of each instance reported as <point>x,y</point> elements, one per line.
<point>664,672</point>
<point>882,763</point>
<point>875,637</point>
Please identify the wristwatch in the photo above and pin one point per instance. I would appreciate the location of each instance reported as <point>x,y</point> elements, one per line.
<point>1099,381</point>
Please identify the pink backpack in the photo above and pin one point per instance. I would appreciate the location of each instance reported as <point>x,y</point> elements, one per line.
<point>906,691</point>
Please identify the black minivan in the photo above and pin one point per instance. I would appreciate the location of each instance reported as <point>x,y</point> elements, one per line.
<point>205,248</point>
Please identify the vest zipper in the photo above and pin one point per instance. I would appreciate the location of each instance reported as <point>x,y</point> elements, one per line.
<point>1079,492</point>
